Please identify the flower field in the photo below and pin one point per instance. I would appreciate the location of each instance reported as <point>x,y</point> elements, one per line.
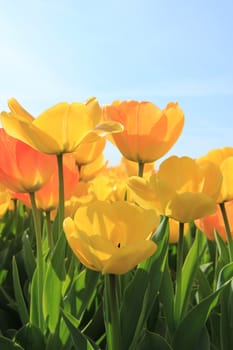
<point>127,257</point>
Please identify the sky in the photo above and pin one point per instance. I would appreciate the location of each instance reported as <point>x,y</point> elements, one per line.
<point>151,50</point>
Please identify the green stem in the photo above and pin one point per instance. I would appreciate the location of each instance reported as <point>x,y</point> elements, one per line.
<point>61,193</point>
<point>179,265</point>
<point>112,314</point>
<point>228,230</point>
<point>49,230</point>
<point>140,169</point>
<point>37,226</point>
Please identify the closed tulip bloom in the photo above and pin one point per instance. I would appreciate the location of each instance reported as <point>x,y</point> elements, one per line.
<point>211,223</point>
<point>149,132</point>
<point>222,157</point>
<point>22,168</point>
<point>59,129</point>
<point>181,189</point>
<point>111,237</point>
<point>91,170</point>
<point>88,152</point>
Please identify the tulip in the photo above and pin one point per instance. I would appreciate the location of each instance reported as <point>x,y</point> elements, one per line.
<point>149,132</point>
<point>23,169</point>
<point>211,223</point>
<point>181,189</point>
<point>88,152</point>
<point>91,170</point>
<point>111,237</point>
<point>59,129</point>
<point>222,157</point>
<point>47,197</point>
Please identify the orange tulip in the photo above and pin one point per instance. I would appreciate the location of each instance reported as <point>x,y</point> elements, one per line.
<point>23,169</point>
<point>47,197</point>
<point>149,132</point>
<point>209,224</point>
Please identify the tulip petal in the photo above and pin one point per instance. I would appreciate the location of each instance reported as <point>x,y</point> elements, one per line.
<point>126,258</point>
<point>186,207</point>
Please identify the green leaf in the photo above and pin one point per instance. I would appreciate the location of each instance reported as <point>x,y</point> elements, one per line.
<point>21,305</point>
<point>153,341</point>
<point>8,344</point>
<point>52,292</point>
<point>189,270</point>
<point>30,337</point>
<point>204,286</point>
<point>190,328</point>
<point>142,290</point>
<point>226,274</point>
<point>226,319</point>
<point>166,295</point>
<point>203,342</point>
<point>80,341</point>
<point>82,291</point>
<point>29,259</point>
<point>222,248</point>
<point>34,308</point>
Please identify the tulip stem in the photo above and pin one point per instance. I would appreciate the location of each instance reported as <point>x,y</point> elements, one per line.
<point>49,230</point>
<point>228,230</point>
<point>61,192</point>
<point>39,252</point>
<point>112,315</point>
<point>140,169</point>
<point>179,265</point>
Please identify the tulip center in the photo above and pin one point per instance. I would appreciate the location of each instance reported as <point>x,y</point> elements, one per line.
<point>118,245</point>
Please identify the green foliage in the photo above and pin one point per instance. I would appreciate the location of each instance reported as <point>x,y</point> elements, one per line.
<point>154,312</point>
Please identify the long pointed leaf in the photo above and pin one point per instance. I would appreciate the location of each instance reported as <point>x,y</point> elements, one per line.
<point>140,293</point>
<point>193,323</point>
<point>189,270</point>
<point>21,305</point>
<point>52,292</point>
<point>80,341</point>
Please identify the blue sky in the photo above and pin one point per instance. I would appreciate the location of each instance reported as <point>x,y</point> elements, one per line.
<point>159,51</point>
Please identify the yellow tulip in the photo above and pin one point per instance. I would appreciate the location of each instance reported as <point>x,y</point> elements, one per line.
<point>181,189</point>
<point>91,170</point>
<point>111,237</point>
<point>59,129</point>
<point>222,157</point>
<point>87,153</point>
